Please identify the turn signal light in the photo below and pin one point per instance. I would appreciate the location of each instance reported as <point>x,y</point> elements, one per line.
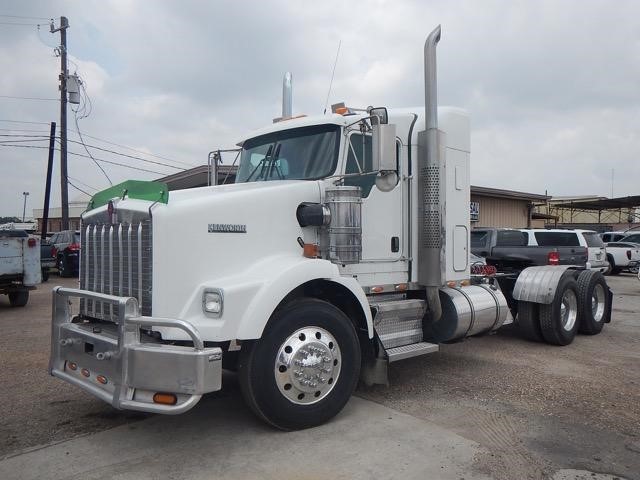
<point>165,398</point>
<point>342,110</point>
<point>311,250</point>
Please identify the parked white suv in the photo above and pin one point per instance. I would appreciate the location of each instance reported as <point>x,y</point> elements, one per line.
<point>597,259</point>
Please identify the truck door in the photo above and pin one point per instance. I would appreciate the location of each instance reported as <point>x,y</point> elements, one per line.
<point>383,219</point>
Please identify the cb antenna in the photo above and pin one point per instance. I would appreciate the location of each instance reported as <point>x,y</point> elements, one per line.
<point>332,74</point>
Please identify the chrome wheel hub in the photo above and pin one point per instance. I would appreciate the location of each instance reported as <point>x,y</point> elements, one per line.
<point>597,303</point>
<point>307,365</point>
<point>569,309</point>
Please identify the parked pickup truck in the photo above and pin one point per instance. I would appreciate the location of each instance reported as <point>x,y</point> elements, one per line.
<point>19,265</point>
<point>622,256</point>
<point>47,258</point>
<point>509,249</point>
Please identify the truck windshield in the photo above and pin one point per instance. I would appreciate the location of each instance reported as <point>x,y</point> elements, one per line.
<point>306,153</point>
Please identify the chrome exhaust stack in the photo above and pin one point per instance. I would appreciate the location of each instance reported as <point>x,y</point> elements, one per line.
<point>430,191</point>
<point>287,95</point>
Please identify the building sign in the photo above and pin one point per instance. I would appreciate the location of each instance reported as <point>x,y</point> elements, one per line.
<point>474,211</point>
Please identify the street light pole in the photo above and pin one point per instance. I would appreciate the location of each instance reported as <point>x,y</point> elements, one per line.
<point>24,205</point>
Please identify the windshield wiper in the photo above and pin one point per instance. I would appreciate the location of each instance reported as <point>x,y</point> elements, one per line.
<point>261,163</point>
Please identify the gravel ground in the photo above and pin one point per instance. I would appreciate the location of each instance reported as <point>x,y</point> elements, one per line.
<point>536,408</point>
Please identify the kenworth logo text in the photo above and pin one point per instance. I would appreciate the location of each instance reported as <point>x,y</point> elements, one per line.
<point>227,228</point>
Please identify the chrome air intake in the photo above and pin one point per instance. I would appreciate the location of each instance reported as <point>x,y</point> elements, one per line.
<point>345,226</point>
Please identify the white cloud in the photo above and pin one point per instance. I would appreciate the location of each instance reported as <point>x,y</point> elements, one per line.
<point>551,86</point>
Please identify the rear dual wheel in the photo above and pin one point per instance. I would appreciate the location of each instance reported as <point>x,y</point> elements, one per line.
<point>304,368</point>
<point>593,304</point>
<point>559,319</point>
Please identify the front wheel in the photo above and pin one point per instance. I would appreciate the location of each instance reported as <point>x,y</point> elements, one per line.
<point>305,367</point>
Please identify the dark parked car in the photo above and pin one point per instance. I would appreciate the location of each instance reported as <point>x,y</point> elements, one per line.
<point>66,250</point>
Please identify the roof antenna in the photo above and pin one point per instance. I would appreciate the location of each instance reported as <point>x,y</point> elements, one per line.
<point>332,74</point>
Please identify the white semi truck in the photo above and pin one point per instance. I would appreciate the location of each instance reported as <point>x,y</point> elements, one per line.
<point>342,246</point>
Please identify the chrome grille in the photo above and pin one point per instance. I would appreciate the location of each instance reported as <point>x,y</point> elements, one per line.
<point>116,259</point>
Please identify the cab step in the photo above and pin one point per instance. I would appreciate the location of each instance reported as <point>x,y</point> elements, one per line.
<point>413,350</point>
<point>398,322</point>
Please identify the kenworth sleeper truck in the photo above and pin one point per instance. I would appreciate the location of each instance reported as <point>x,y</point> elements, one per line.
<point>342,246</point>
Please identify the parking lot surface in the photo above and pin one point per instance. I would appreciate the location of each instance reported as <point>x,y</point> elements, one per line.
<point>489,407</point>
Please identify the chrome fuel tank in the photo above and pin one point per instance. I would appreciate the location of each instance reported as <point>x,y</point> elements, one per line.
<point>468,311</point>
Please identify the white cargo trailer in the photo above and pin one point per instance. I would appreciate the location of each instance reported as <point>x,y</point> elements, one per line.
<point>342,246</point>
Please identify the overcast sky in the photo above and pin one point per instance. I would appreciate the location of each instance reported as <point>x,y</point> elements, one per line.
<point>553,87</point>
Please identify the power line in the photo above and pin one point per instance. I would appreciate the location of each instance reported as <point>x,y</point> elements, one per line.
<point>21,146</point>
<point>23,121</point>
<point>78,188</point>
<point>21,130</point>
<point>22,24</point>
<point>24,140</point>
<point>83,184</point>
<point>128,156</point>
<point>116,163</point>
<point>18,135</point>
<point>87,156</point>
<point>25,17</point>
<point>137,151</point>
<point>12,97</point>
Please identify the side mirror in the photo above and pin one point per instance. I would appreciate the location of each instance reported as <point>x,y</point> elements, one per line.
<point>383,146</point>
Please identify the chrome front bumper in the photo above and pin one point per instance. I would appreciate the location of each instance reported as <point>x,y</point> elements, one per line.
<point>110,360</point>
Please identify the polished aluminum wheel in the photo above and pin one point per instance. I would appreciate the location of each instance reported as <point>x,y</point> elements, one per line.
<point>308,365</point>
<point>569,309</point>
<point>598,303</point>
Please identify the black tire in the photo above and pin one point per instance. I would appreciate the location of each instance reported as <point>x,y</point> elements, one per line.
<point>63,266</point>
<point>45,274</point>
<point>593,302</point>
<point>559,329</point>
<point>612,265</point>
<point>19,299</point>
<point>264,388</point>
<point>528,323</point>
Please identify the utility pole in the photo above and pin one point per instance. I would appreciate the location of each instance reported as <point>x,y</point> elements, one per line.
<point>64,188</point>
<point>24,205</point>
<point>47,190</point>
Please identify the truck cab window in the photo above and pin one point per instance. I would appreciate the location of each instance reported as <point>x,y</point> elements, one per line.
<point>359,161</point>
<point>306,153</point>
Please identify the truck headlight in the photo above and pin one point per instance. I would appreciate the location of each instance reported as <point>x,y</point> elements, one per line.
<point>212,302</point>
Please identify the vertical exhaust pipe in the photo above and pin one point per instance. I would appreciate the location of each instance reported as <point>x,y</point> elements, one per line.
<point>287,95</point>
<point>431,257</point>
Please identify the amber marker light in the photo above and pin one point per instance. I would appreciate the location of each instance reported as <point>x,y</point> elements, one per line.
<point>101,379</point>
<point>165,398</point>
<point>377,289</point>
<point>401,287</point>
<point>85,372</point>
<point>451,284</point>
<point>72,366</point>
<point>311,250</point>
<point>342,110</point>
